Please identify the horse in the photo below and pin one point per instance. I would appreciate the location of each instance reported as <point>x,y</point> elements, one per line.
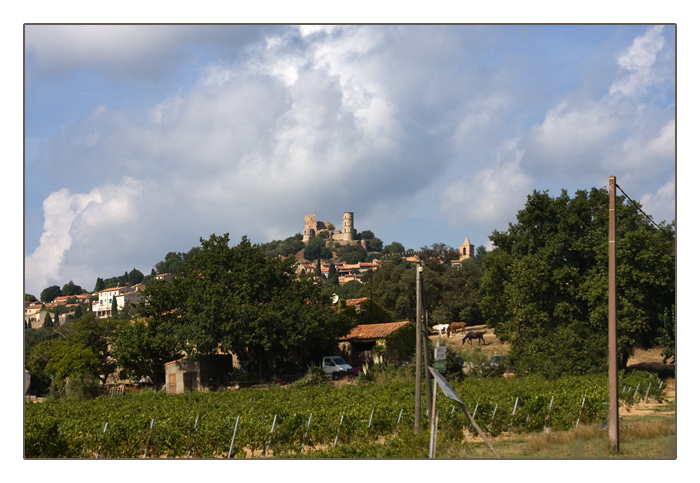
<point>474,335</point>
<point>455,326</point>
<point>441,328</point>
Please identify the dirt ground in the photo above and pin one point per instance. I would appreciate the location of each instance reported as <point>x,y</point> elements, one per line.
<point>644,360</point>
<point>493,346</point>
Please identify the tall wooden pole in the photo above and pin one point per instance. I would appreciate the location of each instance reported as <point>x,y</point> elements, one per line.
<point>419,338</point>
<point>426,359</point>
<point>613,414</point>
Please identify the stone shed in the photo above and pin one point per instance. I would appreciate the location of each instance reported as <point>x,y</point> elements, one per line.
<point>188,375</point>
<point>362,338</point>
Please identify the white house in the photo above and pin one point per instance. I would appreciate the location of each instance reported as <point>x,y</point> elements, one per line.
<point>124,295</point>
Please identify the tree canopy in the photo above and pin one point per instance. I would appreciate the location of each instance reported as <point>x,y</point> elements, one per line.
<point>50,293</point>
<point>237,300</point>
<point>545,289</point>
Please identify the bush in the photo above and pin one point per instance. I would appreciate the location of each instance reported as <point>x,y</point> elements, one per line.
<point>315,376</point>
<point>82,388</point>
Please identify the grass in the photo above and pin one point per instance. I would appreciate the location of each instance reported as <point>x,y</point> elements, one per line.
<point>650,436</point>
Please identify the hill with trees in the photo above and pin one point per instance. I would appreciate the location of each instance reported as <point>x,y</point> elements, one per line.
<point>542,289</point>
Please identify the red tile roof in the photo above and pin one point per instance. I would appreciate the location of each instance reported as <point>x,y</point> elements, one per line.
<point>373,331</point>
<point>351,302</point>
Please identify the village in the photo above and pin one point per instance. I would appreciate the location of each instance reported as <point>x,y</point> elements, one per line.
<point>184,375</point>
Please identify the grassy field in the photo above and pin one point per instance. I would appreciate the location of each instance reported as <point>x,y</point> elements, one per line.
<point>647,436</point>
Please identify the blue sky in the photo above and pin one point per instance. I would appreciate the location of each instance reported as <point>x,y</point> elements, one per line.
<point>141,139</point>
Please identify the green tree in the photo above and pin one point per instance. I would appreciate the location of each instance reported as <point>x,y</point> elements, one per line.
<point>142,349</point>
<point>333,275</point>
<point>99,285</point>
<point>50,293</point>
<point>134,277</point>
<point>352,254</point>
<point>114,309</point>
<point>393,248</point>
<point>374,245</point>
<point>238,300</point>
<point>316,249</point>
<point>54,361</point>
<point>29,298</point>
<point>95,334</point>
<point>71,289</point>
<point>545,286</point>
<point>48,321</point>
<point>439,253</point>
<point>479,255</point>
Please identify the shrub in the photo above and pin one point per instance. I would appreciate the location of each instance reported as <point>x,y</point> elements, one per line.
<point>82,388</point>
<point>315,376</point>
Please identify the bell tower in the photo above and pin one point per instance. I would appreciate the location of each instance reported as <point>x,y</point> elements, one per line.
<point>466,250</point>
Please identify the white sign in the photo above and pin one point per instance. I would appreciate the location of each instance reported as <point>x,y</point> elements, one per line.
<point>441,353</point>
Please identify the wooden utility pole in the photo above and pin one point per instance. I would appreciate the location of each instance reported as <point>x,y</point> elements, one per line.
<point>426,359</point>
<point>613,414</point>
<point>419,338</point>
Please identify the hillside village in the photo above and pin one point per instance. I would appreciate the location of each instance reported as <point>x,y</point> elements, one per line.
<point>101,302</point>
<point>183,375</point>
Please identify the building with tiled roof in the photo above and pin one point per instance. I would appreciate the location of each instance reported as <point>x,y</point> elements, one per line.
<point>123,295</point>
<point>372,332</point>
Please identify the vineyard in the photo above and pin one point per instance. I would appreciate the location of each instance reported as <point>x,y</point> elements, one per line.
<point>308,421</point>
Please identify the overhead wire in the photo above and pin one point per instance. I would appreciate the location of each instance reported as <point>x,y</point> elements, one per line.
<point>639,208</point>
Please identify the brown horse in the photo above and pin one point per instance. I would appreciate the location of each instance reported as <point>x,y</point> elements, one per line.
<point>455,326</point>
<point>474,335</point>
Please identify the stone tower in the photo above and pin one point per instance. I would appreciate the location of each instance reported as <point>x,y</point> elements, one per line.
<point>466,250</point>
<point>348,232</point>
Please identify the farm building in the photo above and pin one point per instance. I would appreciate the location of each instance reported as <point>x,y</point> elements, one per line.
<point>362,338</point>
<point>188,375</point>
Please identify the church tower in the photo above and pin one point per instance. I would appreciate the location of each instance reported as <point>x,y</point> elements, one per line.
<point>466,250</point>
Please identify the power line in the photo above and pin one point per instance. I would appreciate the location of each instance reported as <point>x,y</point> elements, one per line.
<point>639,208</point>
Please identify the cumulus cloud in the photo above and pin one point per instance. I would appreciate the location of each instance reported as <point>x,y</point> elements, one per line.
<point>492,195</point>
<point>662,202</point>
<point>74,221</point>
<point>591,137</point>
<point>637,64</point>
<point>381,121</point>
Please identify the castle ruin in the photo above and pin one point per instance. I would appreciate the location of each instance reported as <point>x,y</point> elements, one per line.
<point>346,236</point>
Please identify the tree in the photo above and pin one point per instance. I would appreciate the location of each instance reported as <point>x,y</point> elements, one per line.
<point>50,293</point>
<point>49,322</point>
<point>316,249</point>
<point>114,309</point>
<point>142,349</point>
<point>29,298</point>
<point>352,254</point>
<point>393,248</point>
<point>94,333</point>
<point>71,289</point>
<point>99,285</point>
<point>545,283</point>
<point>439,252</point>
<point>134,277</point>
<point>333,275</point>
<point>238,300</point>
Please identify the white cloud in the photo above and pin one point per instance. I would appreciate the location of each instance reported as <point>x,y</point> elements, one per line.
<point>492,195</point>
<point>384,122</point>
<point>575,134</point>
<point>661,205</point>
<point>645,153</point>
<point>637,64</point>
<point>83,223</point>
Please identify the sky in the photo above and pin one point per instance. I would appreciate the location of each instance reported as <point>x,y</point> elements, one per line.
<point>140,139</point>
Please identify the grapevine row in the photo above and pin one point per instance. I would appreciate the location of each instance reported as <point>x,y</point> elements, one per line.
<point>278,421</point>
